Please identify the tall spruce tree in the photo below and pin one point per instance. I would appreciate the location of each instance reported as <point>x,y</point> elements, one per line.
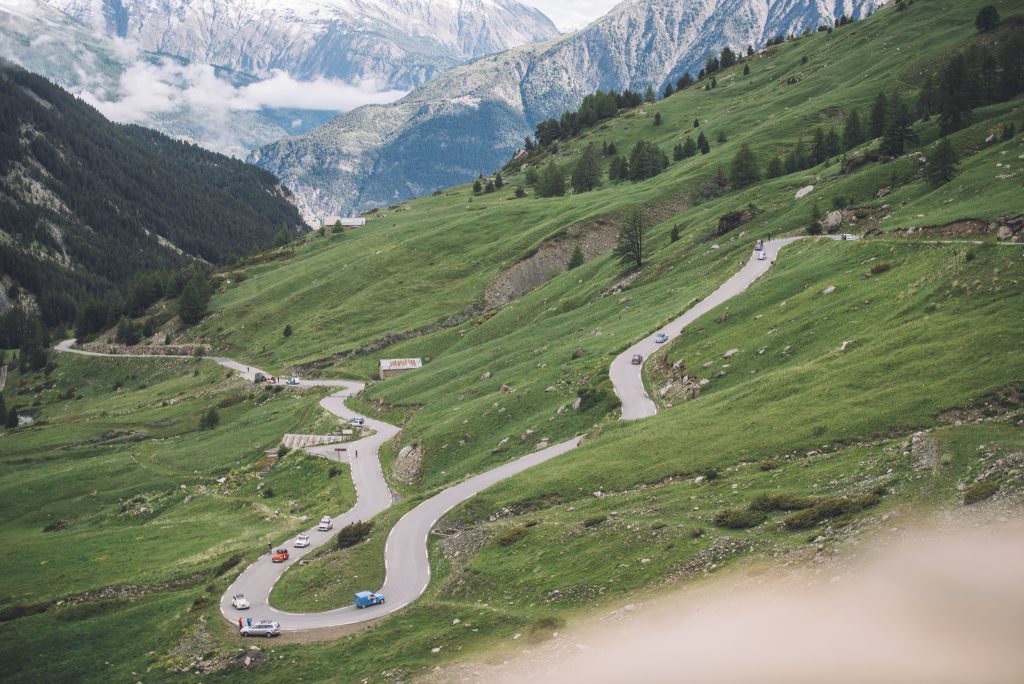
<point>702,143</point>
<point>618,169</point>
<point>551,182</point>
<point>775,167</point>
<point>646,161</point>
<point>942,163</point>
<point>879,112</point>
<point>689,148</point>
<point>898,130</point>
<point>853,132</point>
<point>587,174</point>
<point>744,170</point>
<point>957,94</point>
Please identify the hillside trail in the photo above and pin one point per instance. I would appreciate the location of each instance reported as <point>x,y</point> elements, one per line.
<point>407,565</point>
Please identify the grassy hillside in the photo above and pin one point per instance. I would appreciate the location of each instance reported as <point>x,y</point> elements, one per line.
<point>430,261</point>
<point>804,438</point>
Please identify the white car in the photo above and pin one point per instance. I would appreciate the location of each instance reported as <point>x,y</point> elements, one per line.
<point>356,422</point>
<point>848,236</point>
<point>266,628</point>
<point>302,541</point>
<point>239,602</point>
<point>325,524</point>
<point>761,256</point>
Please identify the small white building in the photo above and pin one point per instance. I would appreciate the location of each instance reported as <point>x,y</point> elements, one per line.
<point>344,222</point>
<point>389,368</point>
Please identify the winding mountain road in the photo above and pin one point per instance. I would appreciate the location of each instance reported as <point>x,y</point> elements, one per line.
<point>405,555</point>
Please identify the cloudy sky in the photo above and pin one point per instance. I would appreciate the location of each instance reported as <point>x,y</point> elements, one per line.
<point>569,15</point>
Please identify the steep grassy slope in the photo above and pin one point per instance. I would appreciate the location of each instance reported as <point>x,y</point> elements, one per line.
<point>430,261</point>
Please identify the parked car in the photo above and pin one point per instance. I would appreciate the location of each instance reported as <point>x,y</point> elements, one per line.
<point>294,380</point>
<point>848,236</point>
<point>661,338</point>
<point>761,256</point>
<point>325,524</point>
<point>368,598</point>
<point>265,628</point>
<point>759,245</point>
<point>280,556</point>
<point>239,602</point>
<point>302,541</point>
<point>357,422</point>
<point>259,377</point>
<point>637,360</point>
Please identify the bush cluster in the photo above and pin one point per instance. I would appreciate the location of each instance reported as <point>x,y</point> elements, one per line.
<point>829,509</point>
<point>738,519</point>
<point>353,533</point>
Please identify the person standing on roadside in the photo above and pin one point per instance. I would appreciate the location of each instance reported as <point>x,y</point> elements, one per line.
<point>239,623</point>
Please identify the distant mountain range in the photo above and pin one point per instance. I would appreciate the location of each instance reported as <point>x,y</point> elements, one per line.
<point>232,75</point>
<point>399,43</point>
<point>470,119</point>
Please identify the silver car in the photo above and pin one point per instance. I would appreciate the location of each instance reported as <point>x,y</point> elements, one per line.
<point>264,628</point>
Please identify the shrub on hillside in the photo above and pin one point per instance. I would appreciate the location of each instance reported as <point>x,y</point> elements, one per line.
<point>880,267</point>
<point>737,519</point>
<point>228,564</point>
<point>595,520</point>
<point>511,535</point>
<point>829,509</point>
<point>353,533</point>
<point>980,491</point>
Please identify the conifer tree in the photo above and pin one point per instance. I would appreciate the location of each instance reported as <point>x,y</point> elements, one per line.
<point>853,133</point>
<point>499,182</point>
<point>649,94</point>
<point>898,131</point>
<point>689,148</point>
<point>657,118</point>
<point>744,169</point>
<point>551,182</point>
<point>669,92</point>
<point>685,81</point>
<point>618,170</point>
<point>587,174</point>
<point>646,161</point>
<point>956,96</point>
<point>987,19</point>
<point>575,259</point>
<point>12,418</point>
<point>746,69</point>
<point>193,301</point>
<point>477,187</point>
<point>674,235</point>
<point>879,112</point>
<point>702,143</point>
<point>775,167</point>
<point>942,163</point>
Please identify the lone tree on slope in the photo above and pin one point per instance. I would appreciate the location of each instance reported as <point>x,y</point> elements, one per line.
<point>942,163</point>
<point>630,248</point>
<point>987,19</point>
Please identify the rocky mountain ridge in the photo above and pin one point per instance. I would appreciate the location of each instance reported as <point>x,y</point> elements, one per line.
<point>470,119</point>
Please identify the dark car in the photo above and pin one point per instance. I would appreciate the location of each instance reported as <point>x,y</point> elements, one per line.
<point>637,360</point>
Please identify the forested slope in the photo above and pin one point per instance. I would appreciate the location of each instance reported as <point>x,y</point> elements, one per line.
<point>86,204</point>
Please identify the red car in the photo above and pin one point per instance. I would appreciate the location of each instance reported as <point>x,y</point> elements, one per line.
<point>280,556</point>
